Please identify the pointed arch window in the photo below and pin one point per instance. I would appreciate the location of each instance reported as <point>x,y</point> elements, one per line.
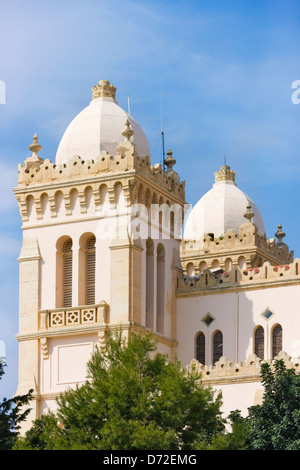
<point>276,340</point>
<point>259,339</point>
<point>217,346</point>
<point>200,348</point>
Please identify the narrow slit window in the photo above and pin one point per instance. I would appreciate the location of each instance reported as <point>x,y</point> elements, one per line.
<point>67,277</point>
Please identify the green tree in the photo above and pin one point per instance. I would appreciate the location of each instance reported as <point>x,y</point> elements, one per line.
<point>12,414</point>
<point>275,424</point>
<point>235,439</point>
<point>133,399</point>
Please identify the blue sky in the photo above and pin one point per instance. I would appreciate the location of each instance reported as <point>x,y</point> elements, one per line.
<point>224,70</point>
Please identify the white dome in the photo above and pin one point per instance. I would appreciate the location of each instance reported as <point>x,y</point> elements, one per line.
<point>98,127</point>
<point>220,209</point>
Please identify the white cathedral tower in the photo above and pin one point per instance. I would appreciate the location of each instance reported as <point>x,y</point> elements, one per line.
<point>102,247</point>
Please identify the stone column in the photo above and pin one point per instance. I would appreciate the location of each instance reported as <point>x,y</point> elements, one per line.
<point>126,281</point>
<point>29,263</point>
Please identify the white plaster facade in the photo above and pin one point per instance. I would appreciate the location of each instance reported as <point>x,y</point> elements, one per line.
<point>97,254</point>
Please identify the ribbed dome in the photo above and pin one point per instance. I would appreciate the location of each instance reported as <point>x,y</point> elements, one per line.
<point>220,209</point>
<point>98,127</point>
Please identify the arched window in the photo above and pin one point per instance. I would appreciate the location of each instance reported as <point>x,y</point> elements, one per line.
<point>276,340</point>
<point>90,271</point>
<point>140,194</point>
<point>160,223</point>
<point>242,262</point>
<point>160,303</point>
<point>228,264</point>
<point>259,342</point>
<point>200,348</point>
<point>30,208</point>
<point>172,224</point>
<point>149,283</point>
<point>190,269</point>
<point>202,266</point>
<point>215,264</point>
<point>217,346</point>
<point>67,273</point>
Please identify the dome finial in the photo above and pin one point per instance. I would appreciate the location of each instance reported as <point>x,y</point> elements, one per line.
<point>225,174</point>
<point>35,147</point>
<point>127,132</point>
<point>104,89</point>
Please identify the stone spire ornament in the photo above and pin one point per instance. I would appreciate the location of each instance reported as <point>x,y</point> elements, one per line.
<point>34,161</point>
<point>279,235</point>
<point>127,132</point>
<point>170,161</point>
<point>35,147</point>
<point>249,214</point>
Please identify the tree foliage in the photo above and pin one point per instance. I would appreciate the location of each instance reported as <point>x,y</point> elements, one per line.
<point>134,399</point>
<point>275,424</point>
<point>12,414</point>
<point>237,438</point>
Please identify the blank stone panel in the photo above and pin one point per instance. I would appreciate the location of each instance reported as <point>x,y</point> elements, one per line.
<point>72,361</point>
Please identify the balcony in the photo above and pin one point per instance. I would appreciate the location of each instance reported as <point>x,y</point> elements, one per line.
<point>85,315</point>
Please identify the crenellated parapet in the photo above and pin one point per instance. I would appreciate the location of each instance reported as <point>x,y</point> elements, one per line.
<point>226,371</point>
<point>238,278</point>
<point>39,178</point>
<point>246,249</point>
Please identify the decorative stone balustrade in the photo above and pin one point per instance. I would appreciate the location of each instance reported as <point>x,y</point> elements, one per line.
<point>75,316</point>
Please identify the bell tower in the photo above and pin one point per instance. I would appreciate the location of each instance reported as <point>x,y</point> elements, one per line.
<point>101,237</point>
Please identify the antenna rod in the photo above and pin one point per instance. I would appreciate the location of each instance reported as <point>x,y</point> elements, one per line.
<point>162,133</point>
<point>163,148</point>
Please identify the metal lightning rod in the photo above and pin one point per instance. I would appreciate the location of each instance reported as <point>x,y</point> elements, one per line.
<point>162,133</point>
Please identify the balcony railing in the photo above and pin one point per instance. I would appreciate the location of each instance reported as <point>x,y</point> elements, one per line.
<point>67,317</point>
